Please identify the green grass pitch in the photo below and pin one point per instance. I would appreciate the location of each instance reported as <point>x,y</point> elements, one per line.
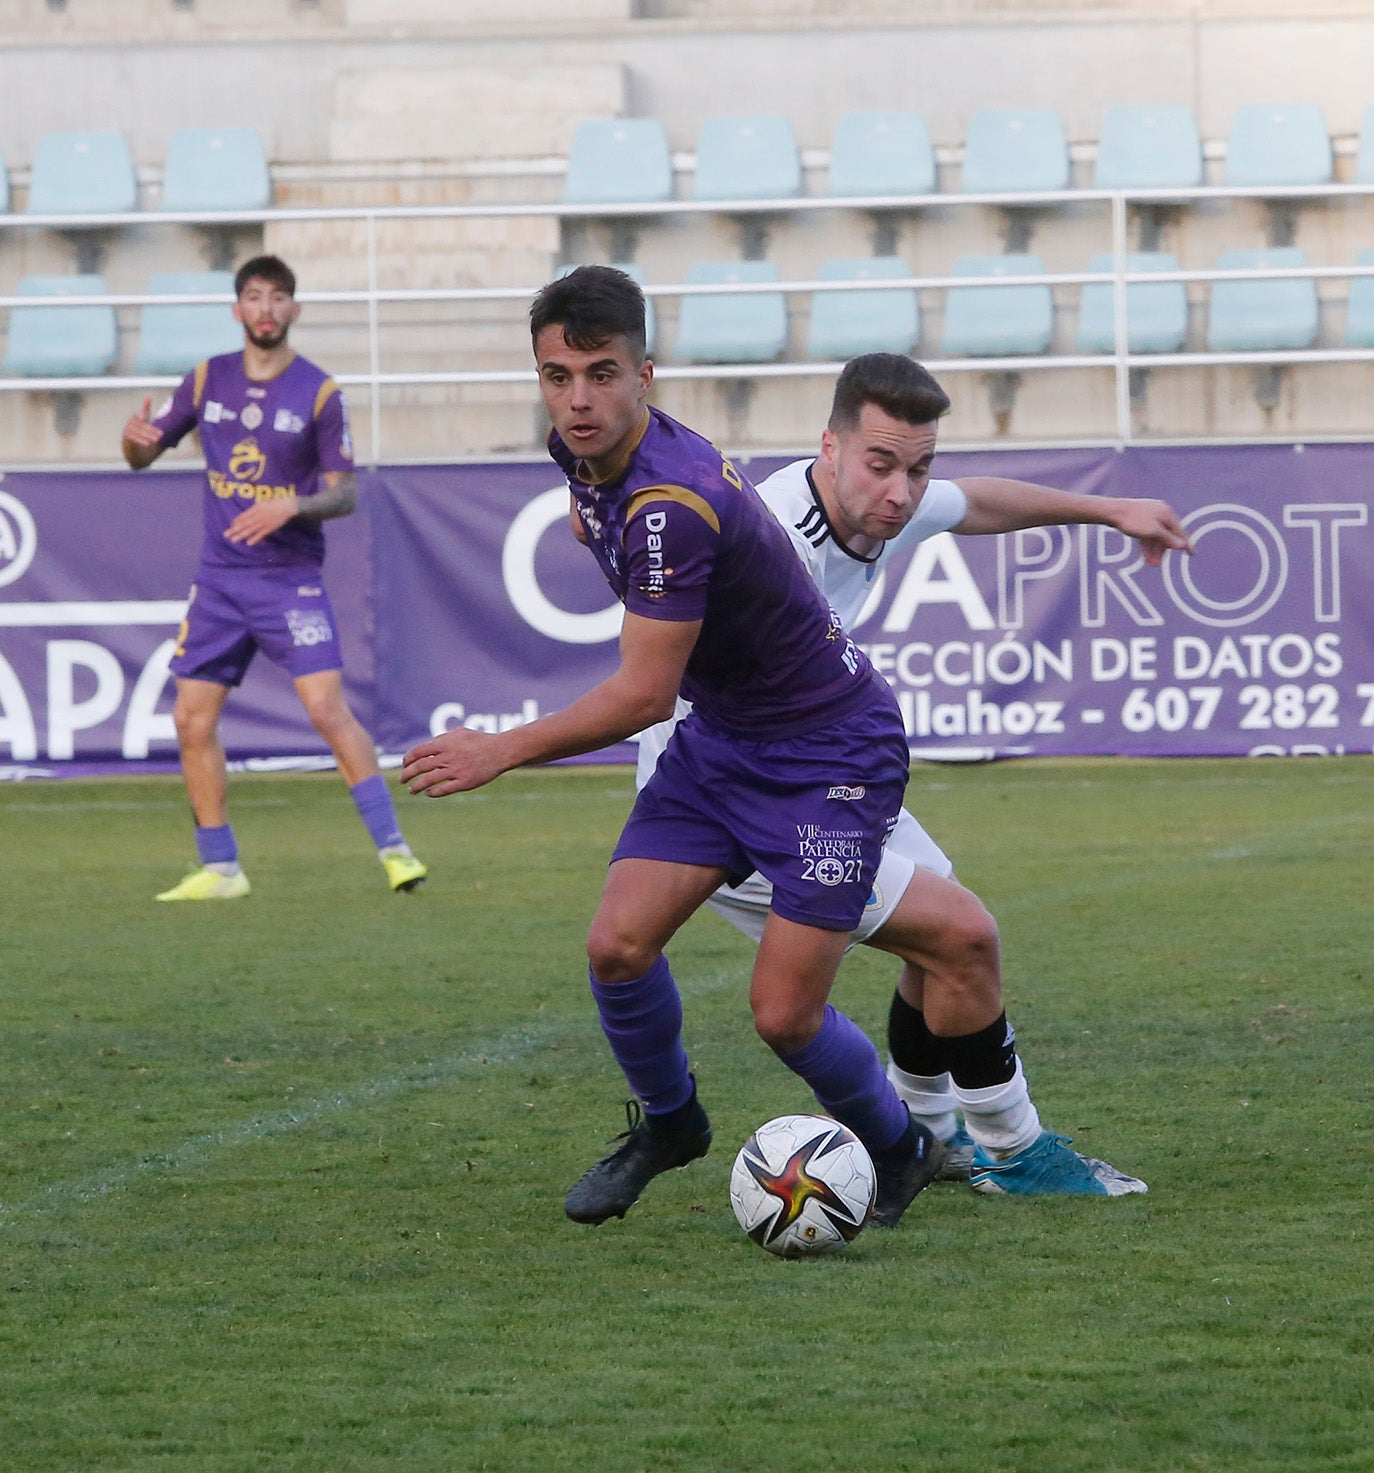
<point>282,1180</point>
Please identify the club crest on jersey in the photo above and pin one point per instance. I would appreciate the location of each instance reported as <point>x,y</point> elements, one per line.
<point>846,794</point>
<point>251,417</point>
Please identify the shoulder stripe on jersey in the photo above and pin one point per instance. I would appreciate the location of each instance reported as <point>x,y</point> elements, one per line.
<point>679,494</point>
<point>198,387</point>
<point>323,395</point>
<point>814,527</point>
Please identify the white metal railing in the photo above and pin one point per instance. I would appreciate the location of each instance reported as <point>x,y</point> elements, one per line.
<point>1121,361</point>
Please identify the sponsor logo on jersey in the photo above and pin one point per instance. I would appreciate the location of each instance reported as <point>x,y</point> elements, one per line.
<point>307,590</point>
<point>214,412</point>
<point>247,461</point>
<point>846,794</point>
<point>256,393</point>
<point>287,423</point>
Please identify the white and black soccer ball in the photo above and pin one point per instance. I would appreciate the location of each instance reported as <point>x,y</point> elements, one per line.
<point>802,1184</point>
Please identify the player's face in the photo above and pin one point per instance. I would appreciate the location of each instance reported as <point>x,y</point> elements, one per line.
<point>595,396</point>
<point>266,312</point>
<point>880,468</point>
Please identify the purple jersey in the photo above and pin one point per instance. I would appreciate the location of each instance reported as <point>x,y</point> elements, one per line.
<point>261,439</point>
<point>680,535</point>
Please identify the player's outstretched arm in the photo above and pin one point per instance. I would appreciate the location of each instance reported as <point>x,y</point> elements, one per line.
<point>141,442</point>
<point>653,656</point>
<point>996,504</point>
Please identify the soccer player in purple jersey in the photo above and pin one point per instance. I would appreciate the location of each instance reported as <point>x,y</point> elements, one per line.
<point>793,761</point>
<point>278,464</point>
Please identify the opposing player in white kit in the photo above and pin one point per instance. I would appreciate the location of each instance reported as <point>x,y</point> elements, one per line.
<point>951,1046</point>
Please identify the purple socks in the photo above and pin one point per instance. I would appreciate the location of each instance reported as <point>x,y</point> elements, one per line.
<point>842,1067</point>
<point>217,845</point>
<point>377,811</point>
<point>642,1021</point>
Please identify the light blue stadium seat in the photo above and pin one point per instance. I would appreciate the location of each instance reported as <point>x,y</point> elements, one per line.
<point>216,169</point>
<point>1359,322</point>
<point>1252,316</point>
<point>619,161</point>
<point>637,275</point>
<point>731,328</point>
<point>1015,150</point>
<point>876,153</point>
<point>82,174</point>
<point>1272,144</point>
<point>845,324</point>
<point>174,338</point>
<point>57,341</point>
<point>1364,157</point>
<point>753,157</point>
<point>1148,148</point>
<point>988,321</point>
<point>1156,312</point>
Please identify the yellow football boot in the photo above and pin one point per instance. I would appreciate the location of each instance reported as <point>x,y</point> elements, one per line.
<point>209,884</point>
<point>403,871</point>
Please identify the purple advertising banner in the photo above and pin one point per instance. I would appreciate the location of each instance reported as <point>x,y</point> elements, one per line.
<point>464,600</point>
<point>94,574</point>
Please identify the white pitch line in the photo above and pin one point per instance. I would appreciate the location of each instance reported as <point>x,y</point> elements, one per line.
<point>505,1048</point>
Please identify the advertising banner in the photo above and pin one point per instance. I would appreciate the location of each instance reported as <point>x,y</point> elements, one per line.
<point>463,599</point>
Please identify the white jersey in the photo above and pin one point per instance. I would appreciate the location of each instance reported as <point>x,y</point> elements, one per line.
<point>846,580</point>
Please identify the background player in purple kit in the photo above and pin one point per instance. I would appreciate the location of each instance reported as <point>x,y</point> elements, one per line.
<point>793,761</point>
<point>278,464</point>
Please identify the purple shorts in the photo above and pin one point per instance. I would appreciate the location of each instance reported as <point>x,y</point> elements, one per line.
<point>235,612</point>
<point>810,813</point>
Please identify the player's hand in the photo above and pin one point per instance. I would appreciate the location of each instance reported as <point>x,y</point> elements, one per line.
<point>455,762</point>
<point>1155,525</point>
<point>261,520</point>
<point>139,429</point>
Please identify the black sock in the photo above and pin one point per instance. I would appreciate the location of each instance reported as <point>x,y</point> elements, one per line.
<point>914,1048</point>
<point>983,1059</point>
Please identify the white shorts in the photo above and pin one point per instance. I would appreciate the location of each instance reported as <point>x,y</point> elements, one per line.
<point>910,848</point>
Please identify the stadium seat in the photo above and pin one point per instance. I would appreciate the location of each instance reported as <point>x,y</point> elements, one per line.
<point>845,324</point>
<point>4,187</point>
<point>82,174</point>
<point>752,157</point>
<point>635,274</point>
<point>989,321</point>
<point>1254,316</point>
<point>1148,148</point>
<point>619,161</point>
<point>731,328</point>
<point>1016,151</point>
<point>174,338</point>
<point>61,341</point>
<point>1271,145</point>
<point>216,169</point>
<point>1359,322</point>
<point>876,153</point>
<point>1156,312</point>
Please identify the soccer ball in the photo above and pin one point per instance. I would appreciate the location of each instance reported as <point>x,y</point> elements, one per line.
<point>802,1184</point>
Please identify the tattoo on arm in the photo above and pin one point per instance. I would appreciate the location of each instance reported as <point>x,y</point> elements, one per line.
<point>336,498</point>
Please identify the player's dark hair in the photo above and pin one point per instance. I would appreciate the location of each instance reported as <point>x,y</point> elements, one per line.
<point>265,268</point>
<point>592,304</point>
<point>897,385</point>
